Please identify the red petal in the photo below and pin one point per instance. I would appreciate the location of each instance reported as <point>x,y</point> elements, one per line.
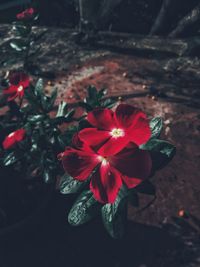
<point>19,134</point>
<point>16,137</point>
<point>113,146</point>
<point>133,163</point>
<point>140,133</point>
<point>8,142</point>
<point>135,123</point>
<point>127,115</point>
<point>12,97</point>
<point>102,119</point>
<point>105,184</point>
<point>79,164</point>
<point>11,90</point>
<point>94,137</point>
<point>131,182</point>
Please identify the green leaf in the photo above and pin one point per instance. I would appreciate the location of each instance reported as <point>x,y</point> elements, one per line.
<point>156,125</point>
<point>52,99</point>
<point>10,159</point>
<point>69,185</point>
<point>114,215</point>
<point>84,209</point>
<point>39,87</point>
<point>86,106</point>
<point>108,103</point>
<point>18,45</point>
<point>92,92</point>
<point>161,153</point>
<point>36,118</point>
<point>21,29</point>
<point>69,115</point>
<point>47,176</point>
<point>61,109</point>
<point>161,146</point>
<point>101,93</point>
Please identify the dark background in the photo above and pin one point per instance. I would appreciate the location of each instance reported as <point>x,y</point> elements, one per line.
<point>129,16</point>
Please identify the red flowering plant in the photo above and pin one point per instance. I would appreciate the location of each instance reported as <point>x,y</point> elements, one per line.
<point>24,41</point>
<point>31,136</point>
<point>110,160</point>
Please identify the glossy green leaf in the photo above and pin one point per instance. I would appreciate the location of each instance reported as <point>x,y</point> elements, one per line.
<point>156,125</point>
<point>18,45</point>
<point>69,115</point>
<point>108,103</point>
<point>84,209</point>
<point>114,215</point>
<point>10,159</point>
<point>92,92</point>
<point>36,118</point>
<point>160,146</point>
<point>52,99</point>
<point>61,109</point>
<point>47,176</point>
<point>39,87</point>
<point>86,106</point>
<point>69,185</point>
<point>21,29</point>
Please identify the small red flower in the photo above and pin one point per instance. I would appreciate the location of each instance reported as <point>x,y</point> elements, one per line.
<point>131,166</point>
<point>18,83</point>
<point>13,138</point>
<point>26,14</point>
<point>114,130</point>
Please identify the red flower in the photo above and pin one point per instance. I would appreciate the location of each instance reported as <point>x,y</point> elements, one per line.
<point>130,166</point>
<point>26,14</point>
<point>114,130</point>
<point>18,83</point>
<point>13,138</point>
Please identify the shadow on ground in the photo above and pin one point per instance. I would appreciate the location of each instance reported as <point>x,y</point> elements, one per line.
<point>53,243</point>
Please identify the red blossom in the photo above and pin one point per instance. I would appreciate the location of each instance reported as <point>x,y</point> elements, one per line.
<point>14,138</point>
<point>131,166</point>
<point>19,81</point>
<point>26,14</point>
<point>112,131</point>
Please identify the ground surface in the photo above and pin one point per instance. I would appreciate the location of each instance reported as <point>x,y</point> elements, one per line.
<point>167,87</point>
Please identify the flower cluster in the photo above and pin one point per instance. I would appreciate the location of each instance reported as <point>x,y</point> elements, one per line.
<point>18,82</point>
<point>109,151</point>
<point>26,14</point>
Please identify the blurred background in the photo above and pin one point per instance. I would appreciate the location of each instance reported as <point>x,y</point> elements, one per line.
<point>134,16</point>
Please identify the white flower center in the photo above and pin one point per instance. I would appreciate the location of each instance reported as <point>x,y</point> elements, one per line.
<point>117,133</point>
<point>103,160</point>
<point>20,88</point>
<point>11,134</point>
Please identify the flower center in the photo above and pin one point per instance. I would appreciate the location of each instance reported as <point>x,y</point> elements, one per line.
<point>103,160</point>
<point>117,133</point>
<point>11,134</point>
<point>20,88</point>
